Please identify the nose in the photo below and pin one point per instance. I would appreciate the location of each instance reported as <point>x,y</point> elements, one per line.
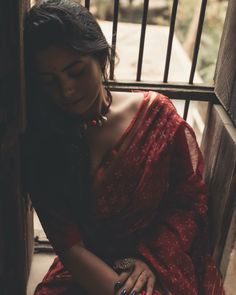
<point>67,89</point>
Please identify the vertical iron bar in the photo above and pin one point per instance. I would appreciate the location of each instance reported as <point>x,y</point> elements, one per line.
<point>197,41</point>
<point>170,40</point>
<point>142,40</point>
<point>87,4</point>
<point>186,108</point>
<point>114,37</point>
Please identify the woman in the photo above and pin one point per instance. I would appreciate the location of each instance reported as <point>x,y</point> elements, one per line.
<point>116,178</point>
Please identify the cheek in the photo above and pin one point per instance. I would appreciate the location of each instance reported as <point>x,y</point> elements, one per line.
<point>52,94</point>
<point>95,72</point>
<point>51,91</point>
<point>97,78</point>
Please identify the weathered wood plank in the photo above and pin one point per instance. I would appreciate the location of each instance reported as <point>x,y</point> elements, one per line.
<point>230,238</point>
<point>15,245</point>
<point>225,77</point>
<point>219,150</point>
<point>211,138</point>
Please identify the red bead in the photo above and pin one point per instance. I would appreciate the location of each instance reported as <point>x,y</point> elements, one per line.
<point>94,122</point>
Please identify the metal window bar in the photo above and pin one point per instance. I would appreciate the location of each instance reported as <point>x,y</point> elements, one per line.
<point>175,91</point>
<point>195,52</point>
<point>187,92</point>
<point>142,40</point>
<point>186,108</point>
<point>87,4</point>
<point>198,40</point>
<point>114,37</point>
<point>170,40</point>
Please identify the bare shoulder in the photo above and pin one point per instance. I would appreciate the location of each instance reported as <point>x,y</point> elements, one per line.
<point>129,102</point>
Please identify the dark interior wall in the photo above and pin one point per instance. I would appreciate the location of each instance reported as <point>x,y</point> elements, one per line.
<point>15,210</point>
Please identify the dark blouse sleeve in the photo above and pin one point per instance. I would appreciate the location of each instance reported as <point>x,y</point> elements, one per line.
<point>57,223</point>
<point>61,229</point>
<point>178,249</point>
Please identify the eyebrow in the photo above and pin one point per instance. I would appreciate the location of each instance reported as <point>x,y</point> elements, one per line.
<point>67,67</point>
<point>71,65</point>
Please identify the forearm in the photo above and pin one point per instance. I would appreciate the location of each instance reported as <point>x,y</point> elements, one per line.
<point>95,276</point>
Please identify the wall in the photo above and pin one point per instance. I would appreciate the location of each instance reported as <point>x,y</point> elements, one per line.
<point>15,210</point>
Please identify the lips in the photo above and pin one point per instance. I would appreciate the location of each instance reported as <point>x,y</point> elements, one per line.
<point>71,103</point>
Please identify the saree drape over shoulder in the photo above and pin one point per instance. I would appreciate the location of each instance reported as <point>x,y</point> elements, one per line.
<point>152,202</point>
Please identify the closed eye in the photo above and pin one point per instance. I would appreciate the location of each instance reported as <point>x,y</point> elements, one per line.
<point>76,74</point>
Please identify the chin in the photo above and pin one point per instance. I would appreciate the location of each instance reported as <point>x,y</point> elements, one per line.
<point>82,108</point>
<point>74,110</point>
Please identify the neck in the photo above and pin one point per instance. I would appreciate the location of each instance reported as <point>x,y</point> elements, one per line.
<point>101,110</point>
<point>99,106</point>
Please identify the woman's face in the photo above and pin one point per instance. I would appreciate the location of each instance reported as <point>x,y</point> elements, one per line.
<point>71,80</point>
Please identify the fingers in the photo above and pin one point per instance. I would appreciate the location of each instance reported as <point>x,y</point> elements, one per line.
<point>134,283</point>
<point>136,280</point>
<point>140,283</point>
<point>128,280</point>
<point>150,285</point>
<point>119,286</point>
<point>124,276</point>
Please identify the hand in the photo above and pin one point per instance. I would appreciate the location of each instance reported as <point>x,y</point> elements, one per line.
<point>134,281</point>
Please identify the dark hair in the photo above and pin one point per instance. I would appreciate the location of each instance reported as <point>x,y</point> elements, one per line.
<point>61,159</point>
<point>64,22</point>
<point>59,22</point>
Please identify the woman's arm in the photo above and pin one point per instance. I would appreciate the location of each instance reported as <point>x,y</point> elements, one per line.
<point>96,277</point>
<point>93,274</point>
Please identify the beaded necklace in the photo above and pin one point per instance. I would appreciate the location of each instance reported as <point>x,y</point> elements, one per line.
<point>101,119</point>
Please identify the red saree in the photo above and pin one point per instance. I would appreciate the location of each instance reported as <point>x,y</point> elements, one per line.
<point>151,197</point>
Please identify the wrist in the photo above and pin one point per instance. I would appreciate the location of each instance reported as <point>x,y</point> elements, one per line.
<point>124,264</point>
